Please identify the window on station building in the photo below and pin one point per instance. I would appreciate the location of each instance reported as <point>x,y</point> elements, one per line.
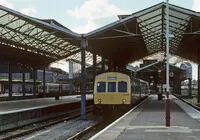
<point>122,86</point>
<point>111,86</point>
<point>101,86</point>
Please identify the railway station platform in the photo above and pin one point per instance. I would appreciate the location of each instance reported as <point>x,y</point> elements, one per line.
<point>147,122</point>
<point>8,107</point>
<point>13,112</point>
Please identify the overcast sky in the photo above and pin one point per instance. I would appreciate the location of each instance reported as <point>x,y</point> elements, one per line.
<point>82,16</point>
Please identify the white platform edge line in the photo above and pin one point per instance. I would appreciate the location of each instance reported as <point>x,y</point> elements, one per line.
<point>32,108</point>
<point>96,135</point>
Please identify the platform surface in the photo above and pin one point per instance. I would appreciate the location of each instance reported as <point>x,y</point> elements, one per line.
<point>147,122</point>
<point>7,107</point>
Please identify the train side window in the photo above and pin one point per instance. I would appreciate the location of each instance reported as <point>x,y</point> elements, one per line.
<point>122,86</point>
<point>101,86</point>
<point>111,86</point>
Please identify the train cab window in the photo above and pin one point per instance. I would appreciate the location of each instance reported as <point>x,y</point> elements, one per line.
<point>101,86</point>
<point>111,86</point>
<point>122,86</point>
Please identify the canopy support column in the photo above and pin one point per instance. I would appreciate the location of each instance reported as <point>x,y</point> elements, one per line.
<point>83,44</point>
<point>34,81</point>
<point>198,97</point>
<point>10,80</point>
<point>23,80</point>
<point>94,64</point>
<point>71,77</point>
<point>44,82</point>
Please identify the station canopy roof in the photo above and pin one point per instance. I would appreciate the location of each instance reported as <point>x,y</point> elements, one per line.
<point>132,37</point>
<point>34,41</point>
<point>142,34</point>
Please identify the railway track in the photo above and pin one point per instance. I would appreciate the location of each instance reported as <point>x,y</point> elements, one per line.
<point>190,104</point>
<point>95,128</point>
<point>29,128</point>
<point>92,130</point>
<point>85,131</point>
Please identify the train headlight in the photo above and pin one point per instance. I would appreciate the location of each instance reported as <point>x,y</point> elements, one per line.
<point>123,101</point>
<point>99,101</point>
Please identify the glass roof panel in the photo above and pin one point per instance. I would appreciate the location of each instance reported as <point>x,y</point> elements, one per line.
<point>178,21</point>
<point>178,14</point>
<point>152,20</point>
<point>155,24</point>
<point>151,29</point>
<point>6,19</point>
<point>2,13</point>
<point>34,30</point>
<point>33,33</point>
<point>14,23</point>
<point>149,15</point>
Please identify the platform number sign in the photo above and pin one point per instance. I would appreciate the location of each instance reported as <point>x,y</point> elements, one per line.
<point>111,78</point>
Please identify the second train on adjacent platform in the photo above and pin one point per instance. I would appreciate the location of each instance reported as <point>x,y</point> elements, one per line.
<point>117,90</point>
<point>52,89</point>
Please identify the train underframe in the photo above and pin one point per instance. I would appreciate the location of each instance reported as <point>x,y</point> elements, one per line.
<point>52,94</point>
<point>111,109</point>
<point>107,109</point>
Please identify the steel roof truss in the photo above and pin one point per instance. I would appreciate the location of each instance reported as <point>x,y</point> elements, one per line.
<point>115,37</point>
<point>128,29</point>
<point>128,33</point>
<point>13,44</point>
